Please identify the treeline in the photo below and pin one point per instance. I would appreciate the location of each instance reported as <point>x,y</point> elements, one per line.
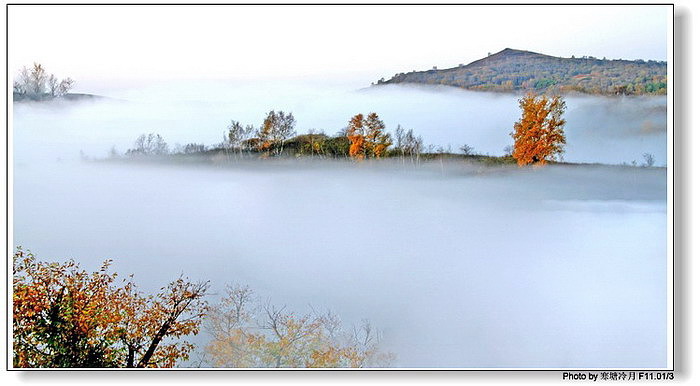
<point>516,70</point>
<point>365,137</point>
<point>34,83</point>
<point>538,138</point>
<point>64,316</point>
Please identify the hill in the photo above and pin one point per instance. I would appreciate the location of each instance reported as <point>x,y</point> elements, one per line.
<point>517,70</point>
<point>17,97</point>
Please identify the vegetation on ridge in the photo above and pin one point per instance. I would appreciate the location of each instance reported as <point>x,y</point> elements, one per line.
<point>515,70</point>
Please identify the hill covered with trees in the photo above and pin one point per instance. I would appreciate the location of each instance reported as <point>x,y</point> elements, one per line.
<point>517,70</point>
<point>35,84</point>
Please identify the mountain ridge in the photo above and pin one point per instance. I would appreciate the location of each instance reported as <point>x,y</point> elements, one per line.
<point>513,70</point>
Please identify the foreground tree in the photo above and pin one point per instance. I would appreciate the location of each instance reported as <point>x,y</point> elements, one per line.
<point>539,134</point>
<point>246,333</point>
<point>66,317</point>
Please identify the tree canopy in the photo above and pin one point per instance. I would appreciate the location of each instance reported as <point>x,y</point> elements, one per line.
<point>539,133</point>
<point>35,83</point>
<point>64,316</point>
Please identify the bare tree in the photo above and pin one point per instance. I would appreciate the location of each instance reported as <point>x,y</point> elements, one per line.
<point>237,135</point>
<point>53,85</point>
<point>23,83</point>
<point>17,87</point>
<point>65,86</point>
<point>151,144</point>
<point>264,335</point>
<point>648,160</point>
<point>194,148</point>
<point>414,145</point>
<point>37,81</point>
<point>467,150</point>
<point>285,129</point>
<point>400,135</point>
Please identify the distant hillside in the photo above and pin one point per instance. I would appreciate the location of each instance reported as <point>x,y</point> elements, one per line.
<point>516,70</point>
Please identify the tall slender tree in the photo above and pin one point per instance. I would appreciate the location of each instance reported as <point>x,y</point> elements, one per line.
<point>356,136</point>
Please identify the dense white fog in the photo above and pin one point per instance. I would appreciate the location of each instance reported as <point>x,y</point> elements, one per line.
<point>459,265</point>
<point>599,129</point>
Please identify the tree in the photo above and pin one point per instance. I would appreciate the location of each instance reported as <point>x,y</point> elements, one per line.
<point>265,133</point>
<point>284,129</point>
<point>539,134</point>
<point>246,333</point>
<point>22,84</point>
<point>648,160</point>
<point>65,86</point>
<point>467,150</point>
<point>313,142</point>
<point>35,83</point>
<point>66,317</point>
<point>377,139</point>
<point>367,136</point>
<point>276,128</point>
<point>400,135</point>
<point>356,136</point>
<point>149,145</point>
<point>237,134</point>
<point>194,148</point>
<point>53,86</point>
<point>413,145</point>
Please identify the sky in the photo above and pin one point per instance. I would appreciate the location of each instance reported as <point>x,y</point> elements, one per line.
<point>123,44</point>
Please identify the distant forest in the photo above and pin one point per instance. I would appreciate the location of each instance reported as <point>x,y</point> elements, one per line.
<point>516,70</point>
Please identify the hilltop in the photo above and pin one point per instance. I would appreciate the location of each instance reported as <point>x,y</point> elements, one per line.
<point>518,70</point>
<point>17,97</point>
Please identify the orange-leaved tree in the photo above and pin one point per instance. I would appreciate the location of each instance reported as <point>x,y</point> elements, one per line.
<point>356,136</point>
<point>367,136</point>
<point>539,134</point>
<point>377,138</point>
<point>64,316</point>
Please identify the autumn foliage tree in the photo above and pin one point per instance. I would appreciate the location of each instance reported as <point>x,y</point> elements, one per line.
<point>356,136</point>
<point>367,136</point>
<point>64,316</point>
<point>247,333</point>
<point>276,128</point>
<point>539,134</point>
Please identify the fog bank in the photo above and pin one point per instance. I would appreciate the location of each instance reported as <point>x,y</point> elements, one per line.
<point>556,267</point>
<point>459,265</point>
<point>607,130</point>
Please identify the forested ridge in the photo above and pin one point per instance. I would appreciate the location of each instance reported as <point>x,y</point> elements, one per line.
<point>517,70</point>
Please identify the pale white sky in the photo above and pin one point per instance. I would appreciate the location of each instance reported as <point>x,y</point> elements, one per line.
<point>118,44</point>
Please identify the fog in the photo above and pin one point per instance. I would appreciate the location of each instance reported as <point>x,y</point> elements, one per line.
<point>599,129</point>
<point>458,265</point>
